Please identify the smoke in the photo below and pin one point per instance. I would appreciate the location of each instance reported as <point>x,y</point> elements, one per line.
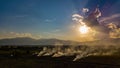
<point>79,51</point>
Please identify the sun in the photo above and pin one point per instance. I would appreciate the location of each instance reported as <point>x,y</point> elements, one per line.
<point>84,29</point>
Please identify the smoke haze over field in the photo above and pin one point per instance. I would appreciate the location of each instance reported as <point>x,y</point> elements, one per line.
<point>80,51</point>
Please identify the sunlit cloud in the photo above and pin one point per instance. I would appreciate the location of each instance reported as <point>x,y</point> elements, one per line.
<point>85,33</point>
<point>115,31</point>
<point>16,34</point>
<point>77,16</point>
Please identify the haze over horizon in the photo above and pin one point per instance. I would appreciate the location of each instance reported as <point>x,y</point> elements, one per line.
<point>51,19</point>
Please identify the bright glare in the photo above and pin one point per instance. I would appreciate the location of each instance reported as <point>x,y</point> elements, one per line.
<point>83,29</point>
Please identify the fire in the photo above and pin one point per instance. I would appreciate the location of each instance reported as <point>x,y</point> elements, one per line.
<point>84,29</point>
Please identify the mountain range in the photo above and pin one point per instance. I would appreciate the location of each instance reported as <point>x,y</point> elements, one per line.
<point>31,41</point>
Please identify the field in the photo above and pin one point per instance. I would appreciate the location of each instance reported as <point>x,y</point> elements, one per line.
<point>26,57</point>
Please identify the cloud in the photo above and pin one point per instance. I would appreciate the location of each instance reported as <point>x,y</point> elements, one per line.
<point>112,26</point>
<point>115,31</point>
<point>53,34</point>
<point>16,34</point>
<point>56,30</point>
<point>101,31</point>
<point>85,10</point>
<point>110,17</point>
<point>21,34</point>
<point>77,16</point>
<point>50,20</point>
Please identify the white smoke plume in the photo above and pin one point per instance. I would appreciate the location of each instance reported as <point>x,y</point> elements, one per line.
<point>79,51</point>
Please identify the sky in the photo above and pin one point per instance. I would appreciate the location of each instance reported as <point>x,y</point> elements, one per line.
<point>48,18</point>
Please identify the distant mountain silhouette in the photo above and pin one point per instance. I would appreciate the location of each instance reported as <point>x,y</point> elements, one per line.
<point>30,41</point>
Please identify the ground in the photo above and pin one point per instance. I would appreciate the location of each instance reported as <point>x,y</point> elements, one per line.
<point>21,57</point>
